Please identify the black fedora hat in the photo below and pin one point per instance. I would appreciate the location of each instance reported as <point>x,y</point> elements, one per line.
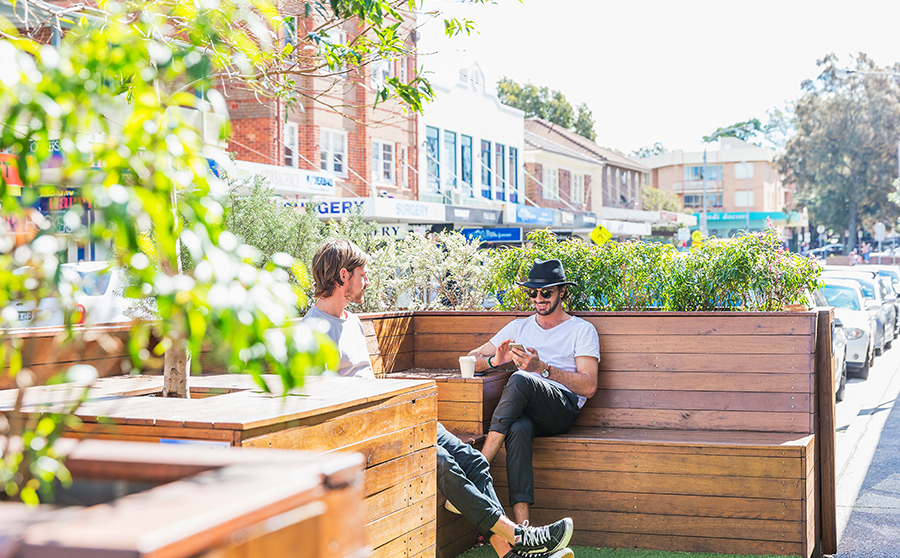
<point>545,273</point>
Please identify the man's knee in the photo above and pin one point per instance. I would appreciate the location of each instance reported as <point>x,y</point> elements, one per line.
<point>522,429</point>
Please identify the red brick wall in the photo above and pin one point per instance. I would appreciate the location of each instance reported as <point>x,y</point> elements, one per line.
<point>253,139</point>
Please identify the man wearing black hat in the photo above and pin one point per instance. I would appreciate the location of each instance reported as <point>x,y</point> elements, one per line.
<point>556,355</point>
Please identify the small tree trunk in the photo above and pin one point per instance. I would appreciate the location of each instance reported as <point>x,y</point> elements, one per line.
<point>851,242</point>
<point>176,364</point>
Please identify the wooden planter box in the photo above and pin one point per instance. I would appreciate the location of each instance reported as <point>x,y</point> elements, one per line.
<point>390,422</point>
<point>187,502</point>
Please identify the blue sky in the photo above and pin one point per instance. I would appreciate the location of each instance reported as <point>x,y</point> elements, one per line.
<point>660,70</point>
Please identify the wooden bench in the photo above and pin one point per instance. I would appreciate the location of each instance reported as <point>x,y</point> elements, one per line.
<point>709,432</point>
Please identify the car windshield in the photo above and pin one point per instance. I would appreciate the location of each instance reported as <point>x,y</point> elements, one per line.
<point>868,287</point>
<point>841,297</point>
<point>893,275</point>
<point>91,283</point>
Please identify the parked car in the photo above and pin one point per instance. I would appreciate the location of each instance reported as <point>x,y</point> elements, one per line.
<point>92,295</point>
<point>858,325</point>
<point>827,250</point>
<point>838,345</point>
<point>882,302</point>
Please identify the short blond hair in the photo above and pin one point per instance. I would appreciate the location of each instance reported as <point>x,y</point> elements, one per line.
<point>331,257</point>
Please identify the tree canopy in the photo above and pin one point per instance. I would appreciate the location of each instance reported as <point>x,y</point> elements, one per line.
<point>550,105</point>
<point>843,156</point>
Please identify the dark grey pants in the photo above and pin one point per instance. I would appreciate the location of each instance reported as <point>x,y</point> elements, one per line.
<point>530,407</point>
<point>463,476</point>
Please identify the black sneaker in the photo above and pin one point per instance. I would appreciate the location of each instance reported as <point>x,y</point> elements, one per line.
<point>563,553</point>
<point>539,541</point>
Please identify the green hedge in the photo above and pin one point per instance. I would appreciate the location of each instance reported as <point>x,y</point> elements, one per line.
<point>751,273</point>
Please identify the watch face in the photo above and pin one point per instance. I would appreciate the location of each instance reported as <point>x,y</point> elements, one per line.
<point>545,373</point>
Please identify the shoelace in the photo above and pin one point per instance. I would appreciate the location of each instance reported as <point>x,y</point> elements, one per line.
<point>534,536</point>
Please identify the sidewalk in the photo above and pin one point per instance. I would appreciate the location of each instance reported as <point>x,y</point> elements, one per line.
<point>868,469</point>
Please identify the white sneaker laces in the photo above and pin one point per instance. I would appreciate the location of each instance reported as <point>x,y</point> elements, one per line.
<point>534,536</point>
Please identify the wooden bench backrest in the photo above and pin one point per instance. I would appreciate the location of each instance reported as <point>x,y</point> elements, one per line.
<point>658,370</point>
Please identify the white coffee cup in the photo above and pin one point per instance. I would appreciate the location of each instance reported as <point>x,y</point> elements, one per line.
<point>467,366</point>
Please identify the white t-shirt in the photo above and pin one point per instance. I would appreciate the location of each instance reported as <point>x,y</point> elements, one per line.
<point>557,346</point>
<point>351,341</point>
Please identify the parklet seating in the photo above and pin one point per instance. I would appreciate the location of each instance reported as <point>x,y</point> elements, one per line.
<point>709,432</point>
<point>390,422</point>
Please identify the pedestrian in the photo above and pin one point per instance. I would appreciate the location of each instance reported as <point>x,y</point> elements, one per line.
<point>556,356</point>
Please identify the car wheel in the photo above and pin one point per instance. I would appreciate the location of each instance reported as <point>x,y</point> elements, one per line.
<point>839,394</point>
<point>863,373</point>
<point>880,348</point>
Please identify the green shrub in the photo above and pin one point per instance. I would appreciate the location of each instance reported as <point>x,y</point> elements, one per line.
<point>751,273</point>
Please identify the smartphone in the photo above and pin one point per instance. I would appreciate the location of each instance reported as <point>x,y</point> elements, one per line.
<point>517,346</point>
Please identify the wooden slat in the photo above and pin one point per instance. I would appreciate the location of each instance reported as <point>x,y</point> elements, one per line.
<point>695,420</point>
<point>347,428</point>
<point>692,442</point>
<point>409,466</point>
<point>702,400</point>
<point>392,445</point>
<point>386,529</point>
<point>408,544</point>
<point>667,463</point>
<point>663,504</point>
<point>737,382</point>
<point>400,496</point>
<point>674,362</point>
<point>681,525</point>
<point>466,428</point>
<point>825,445</point>
<point>675,344</point>
<point>647,483</point>
<point>697,543</point>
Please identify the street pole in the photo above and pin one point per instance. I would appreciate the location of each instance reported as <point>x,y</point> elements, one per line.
<point>747,176</point>
<point>703,228</point>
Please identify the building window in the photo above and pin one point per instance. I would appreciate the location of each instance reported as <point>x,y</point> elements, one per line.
<point>500,172</point>
<point>382,70</point>
<point>696,200</point>
<point>513,175</point>
<point>576,188</point>
<point>291,134</point>
<point>382,161</point>
<point>693,173</point>
<point>743,171</point>
<point>741,198</point>
<point>449,158</point>
<point>465,153</point>
<point>403,76</point>
<point>333,152</point>
<point>486,169</point>
<point>551,183</point>
<point>335,37</point>
<point>432,155</point>
<point>289,30</point>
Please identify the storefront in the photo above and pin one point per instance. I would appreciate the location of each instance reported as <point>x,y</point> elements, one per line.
<point>729,224</point>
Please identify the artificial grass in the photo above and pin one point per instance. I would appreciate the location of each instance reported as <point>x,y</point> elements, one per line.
<point>586,552</point>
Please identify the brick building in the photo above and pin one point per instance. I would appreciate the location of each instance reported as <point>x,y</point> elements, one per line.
<point>744,189</point>
<point>334,127</point>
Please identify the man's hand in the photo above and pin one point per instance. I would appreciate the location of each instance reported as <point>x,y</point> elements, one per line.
<point>527,360</point>
<point>503,354</point>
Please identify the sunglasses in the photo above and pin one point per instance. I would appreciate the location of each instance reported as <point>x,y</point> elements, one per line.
<point>545,293</point>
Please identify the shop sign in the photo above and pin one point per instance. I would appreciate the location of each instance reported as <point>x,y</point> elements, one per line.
<point>288,180</point>
<point>380,209</point>
<point>529,215</point>
<point>395,230</point>
<point>460,214</point>
<point>511,234</point>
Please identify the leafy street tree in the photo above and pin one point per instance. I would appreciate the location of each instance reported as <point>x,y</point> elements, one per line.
<point>552,106</point>
<point>584,122</point>
<point>654,199</point>
<point>109,107</point>
<point>843,158</point>
<point>649,150</point>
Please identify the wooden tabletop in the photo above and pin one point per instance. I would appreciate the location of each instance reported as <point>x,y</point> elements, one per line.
<point>231,402</point>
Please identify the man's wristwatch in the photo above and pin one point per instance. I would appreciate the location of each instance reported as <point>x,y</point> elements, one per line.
<point>545,373</point>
